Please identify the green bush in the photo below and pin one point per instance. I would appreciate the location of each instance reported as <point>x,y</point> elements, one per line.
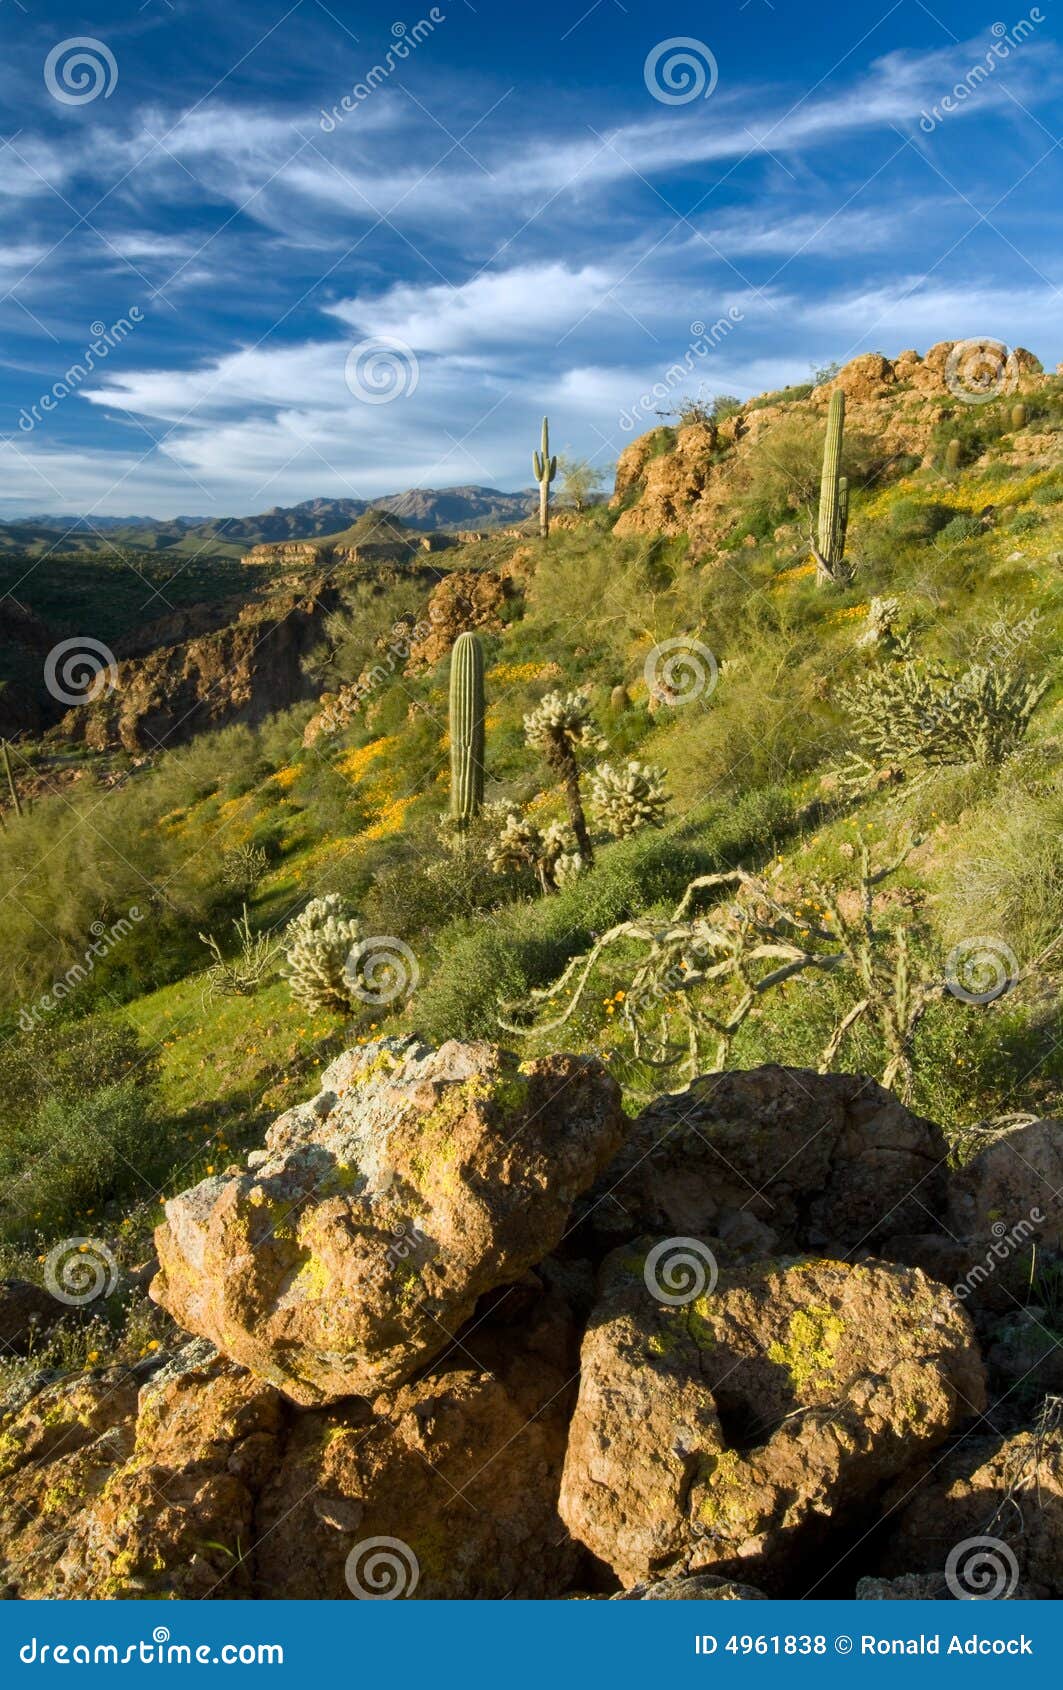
<point>962,527</point>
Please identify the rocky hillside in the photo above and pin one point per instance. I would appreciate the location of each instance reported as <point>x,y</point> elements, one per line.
<point>648,1188</point>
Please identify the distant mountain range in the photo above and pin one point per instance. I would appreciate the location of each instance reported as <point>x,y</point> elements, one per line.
<point>423,508</point>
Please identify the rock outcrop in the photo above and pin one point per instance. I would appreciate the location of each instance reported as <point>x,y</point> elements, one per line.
<point>242,672</point>
<point>774,1159</point>
<point>409,1378</point>
<point>466,600</point>
<point>985,1522</point>
<point>354,1246</point>
<point>726,1431</point>
<point>681,484</point>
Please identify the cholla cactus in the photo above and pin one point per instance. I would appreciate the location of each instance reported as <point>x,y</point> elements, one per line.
<point>882,614</point>
<point>317,945</point>
<point>915,709</point>
<point>628,798</point>
<point>560,726</point>
<point>243,867</point>
<point>568,867</point>
<point>551,853</point>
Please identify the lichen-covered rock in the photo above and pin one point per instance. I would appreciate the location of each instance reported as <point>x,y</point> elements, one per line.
<point>57,1453</point>
<point>988,1520</point>
<point>177,1517</point>
<point>452,1482</point>
<point>728,1431</point>
<point>774,1159</point>
<point>699,1587</point>
<point>1013,1187</point>
<point>355,1245</point>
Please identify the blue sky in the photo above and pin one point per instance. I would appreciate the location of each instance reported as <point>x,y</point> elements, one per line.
<point>509,208</point>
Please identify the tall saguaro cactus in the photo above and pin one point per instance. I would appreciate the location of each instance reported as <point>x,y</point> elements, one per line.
<point>833,496</point>
<point>466,730</point>
<point>545,468</point>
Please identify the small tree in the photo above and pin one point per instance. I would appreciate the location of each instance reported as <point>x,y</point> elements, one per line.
<point>581,481</point>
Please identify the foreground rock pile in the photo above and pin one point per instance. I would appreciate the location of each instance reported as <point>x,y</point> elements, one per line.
<point>460,1329</point>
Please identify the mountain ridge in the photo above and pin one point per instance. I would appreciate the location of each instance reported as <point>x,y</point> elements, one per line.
<point>421,508</point>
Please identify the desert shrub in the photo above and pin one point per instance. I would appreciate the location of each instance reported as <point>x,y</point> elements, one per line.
<point>912,519</point>
<point>73,1155</point>
<point>785,466</point>
<point>1023,521</point>
<point>1006,877</point>
<point>962,527</point>
<point>76,1101</point>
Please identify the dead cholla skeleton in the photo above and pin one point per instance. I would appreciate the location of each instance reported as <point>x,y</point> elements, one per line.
<point>711,969</point>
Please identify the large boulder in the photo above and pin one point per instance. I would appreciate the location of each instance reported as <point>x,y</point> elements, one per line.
<point>729,1423</point>
<point>444,1489</point>
<point>349,1252</point>
<point>987,1521</point>
<point>1011,1193</point>
<point>774,1159</point>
